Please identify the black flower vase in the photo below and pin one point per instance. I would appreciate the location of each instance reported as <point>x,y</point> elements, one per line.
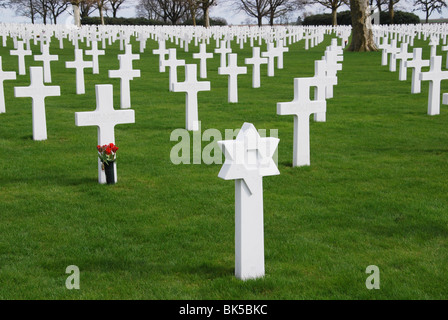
<point>109,171</point>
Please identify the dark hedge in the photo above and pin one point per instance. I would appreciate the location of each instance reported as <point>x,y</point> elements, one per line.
<point>344,18</point>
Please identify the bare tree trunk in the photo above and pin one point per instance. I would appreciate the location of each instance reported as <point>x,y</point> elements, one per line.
<point>260,22</point>
<point>334,16</point>
<point>391,11</point>
<point>206,17</point>
<point>101,15</point>
<point>192,7</point>
<point>76,15</point>
<point>362,36</point>
<point>32,11</point>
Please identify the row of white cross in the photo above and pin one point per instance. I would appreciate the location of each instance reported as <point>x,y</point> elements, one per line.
<point>391,53</point>
<point>180,35</point>
<point>248,158</point>
<point>40,75</point>
<point>302,106</point>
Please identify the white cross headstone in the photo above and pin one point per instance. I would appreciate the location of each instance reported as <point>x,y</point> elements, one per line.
<point>142,38</point>
<point>385,47</point>
<point>37,91</point>
<point>393,50</point>
<point>307,37</point>
<point>232,70</point>
<point>20,52</point>
<point>270,54</point>
<point>322,81</point>
<point>172,63</point>
<point>417,63</point>
<point>162,52</point>
<point>332,66</point>
<point>79,64</point>
<point>46,58</point>
<point>94,52</point>
<point>280,50</point>
<point>433,43</point>
<point>445,48</point>
<point>4,75</point>
<point>191,86</point>
<point>123,39</point>
<point>126,73</point>
<point>223,51</point>
<point>445,98</point>
<point>256,61</point>
<point>105,117</point>
<point>435,75</point>
<point>301,107</point>
<point>248,159</point>
<point>403,56</point>
<point>203,56</point>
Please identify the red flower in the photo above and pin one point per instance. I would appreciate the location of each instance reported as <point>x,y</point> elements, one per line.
<point>108,150</point>
<point>115,148</point>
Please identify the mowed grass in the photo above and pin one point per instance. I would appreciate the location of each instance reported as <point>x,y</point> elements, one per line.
<point>376,192</point>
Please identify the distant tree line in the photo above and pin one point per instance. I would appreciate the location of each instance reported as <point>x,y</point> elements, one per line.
<point>144,21</point>
<point>197,12</point>
<point>345,18</point>
<point>176,11</point>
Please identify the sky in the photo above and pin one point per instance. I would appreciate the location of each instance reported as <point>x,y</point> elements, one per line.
<point>223,10</point>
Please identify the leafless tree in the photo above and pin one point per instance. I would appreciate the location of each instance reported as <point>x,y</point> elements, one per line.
<point>146,9</point>
<point>82,9</point>
<point>257,9</point>
<point>391,5</point>
<point>152,9</point>
<point>330,4</point>
<point>87,7</point>
<point>56,8</point>
<point>165,10</point>
<point>115,5</point>
<point>26,8</point>
<point>101,6</point>
<point>378,4</point>
<point>279,8</point>
<point>41,7</point>
<point>429,6</point>
<point>205,5</point>
<point>192,9</point>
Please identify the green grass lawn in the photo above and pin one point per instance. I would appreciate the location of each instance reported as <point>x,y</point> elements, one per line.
<point>376,192</point>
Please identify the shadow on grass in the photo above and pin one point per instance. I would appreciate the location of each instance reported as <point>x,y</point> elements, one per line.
<point>208,270</point>
<point>405,150</point>
<point>428,230</point>
<point>77,181</point>
<point>61,181</point>
<point>286,164</point>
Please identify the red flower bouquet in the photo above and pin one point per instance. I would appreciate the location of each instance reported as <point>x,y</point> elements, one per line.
<point>107,153</point>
